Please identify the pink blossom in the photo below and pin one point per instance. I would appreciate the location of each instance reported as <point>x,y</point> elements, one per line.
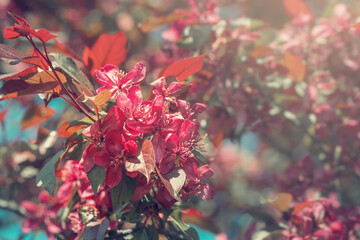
<point>115,80</point>
<point>42,215</point>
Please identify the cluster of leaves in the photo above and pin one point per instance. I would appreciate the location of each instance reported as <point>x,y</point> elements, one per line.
<point>128,161</point>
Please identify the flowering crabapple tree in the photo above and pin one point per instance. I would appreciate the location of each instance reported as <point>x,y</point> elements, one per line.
<point>292,87</point>
<point>297,89</point>
<point>127,166</point>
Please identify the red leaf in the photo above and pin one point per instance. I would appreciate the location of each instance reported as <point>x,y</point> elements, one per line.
<point>261,51</point>
<point>101,98</point>
<point>66,50</point>
<point>295,65</point>
<point>218,138</point>
<point>9,33</point>
<point>21,21</point>
<point>296,8</point>
<point>197,218</point>
<point>36,116</point>
<point>38,61</point>
<point>184,68</point>
<point>108,49</point>
<point>44,35</point>
<point>66,131</point>
<point>2,115</point>
<point>300,206</point>
<point>87,58</point>
<point>23,73</point>
<point>45,77</point>
<point>23,29</point>
<point>41,82</point>
<point>282,202</point>
<point>192,212</point>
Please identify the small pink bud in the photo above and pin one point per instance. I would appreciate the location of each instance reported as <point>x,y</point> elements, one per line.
<point>337,227</point>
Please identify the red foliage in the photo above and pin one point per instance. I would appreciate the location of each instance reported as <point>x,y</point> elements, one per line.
<point>296,8</point>
<point>108,49</point>
<point>184,68</point>
<point>23,29</point>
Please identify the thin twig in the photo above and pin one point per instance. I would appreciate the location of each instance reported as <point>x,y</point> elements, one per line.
<point>48,61</point>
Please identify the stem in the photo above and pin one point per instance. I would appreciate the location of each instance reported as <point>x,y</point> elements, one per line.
<point>60,95</point>
<point>48,61</point>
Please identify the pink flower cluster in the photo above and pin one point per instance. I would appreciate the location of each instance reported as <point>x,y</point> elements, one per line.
<point>151,142</point>
<point>324,219</point>
<point>64,211</point>
<point>170,125</point>
<point>41,215</point>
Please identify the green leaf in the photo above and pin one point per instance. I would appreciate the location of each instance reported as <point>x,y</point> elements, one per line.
<point>132,216</point>
<point>199,156</point>
<point>195,36</point>
<point>110,103</point>
<point>96,230</point>
<point>185,229</point>
<point>166,212</point>
<point>63,213</point>
<point>141,235</point>
<point>123,192</point>
<point>78,151</point>
<point>70,67</point>
<point>76,136</point>
<point>177,214</point>
<point>96,177</point>
<point>46,177</point>
<point>84,121</point>
<point>268,219</point>
<point>152,232</point>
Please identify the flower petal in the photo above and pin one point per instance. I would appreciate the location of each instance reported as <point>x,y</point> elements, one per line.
<point>114,142</point>
<point>113,175</point>
<point>102,158</point>
<point>29,207</point>
<point>135,95</point>
<point>109,75</point>
<point>113,120</point>
<point>88,161</point>
<point>123,102</point>
<point>205,172</point>
<point>204,191</point>
<point>51,227</point>
<point>136,75</point>
<point>167,163</point>
<point>174,87</point>
<point>172,142</point>
<point>159,147</point>
<point>131,148</point>
<point>29,225</point>
<point>190,169</point>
